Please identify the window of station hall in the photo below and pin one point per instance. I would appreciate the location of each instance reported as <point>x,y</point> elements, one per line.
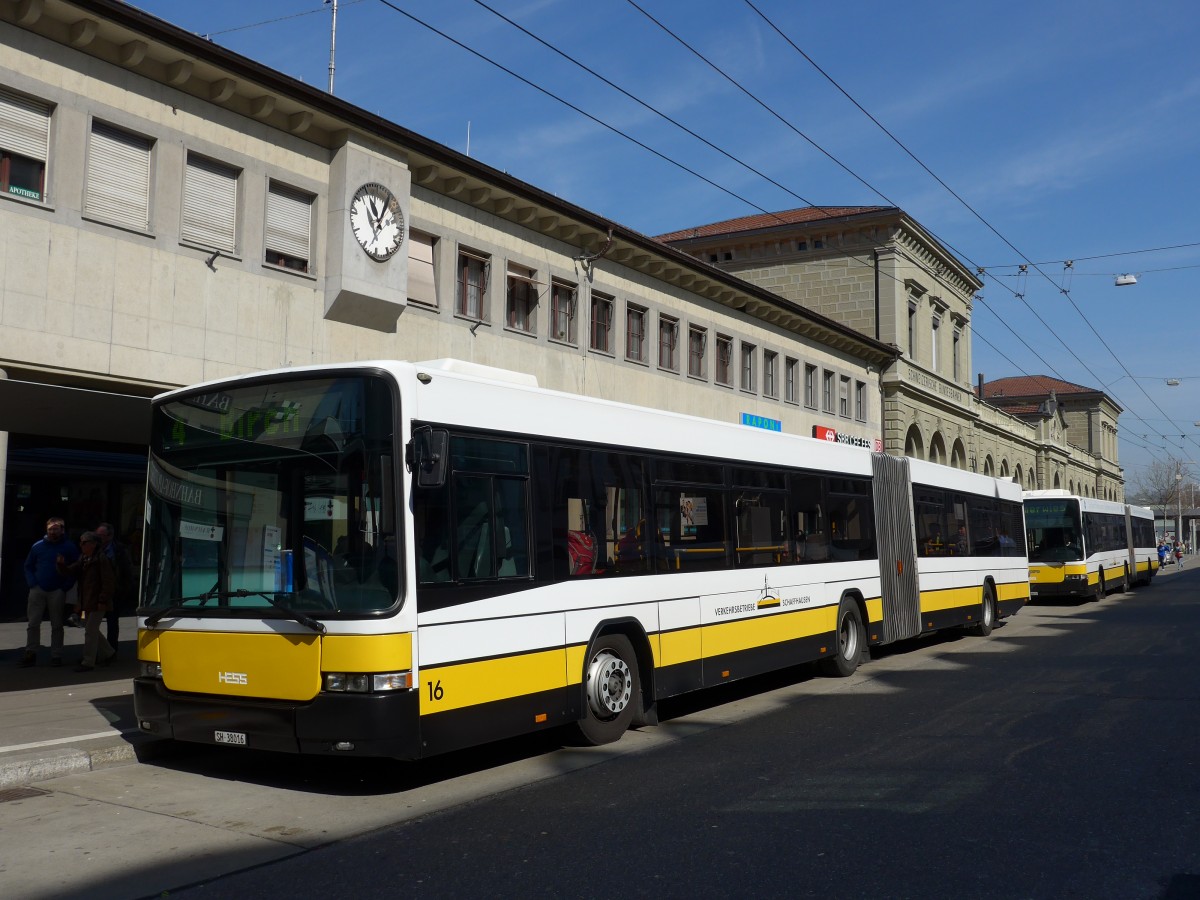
<point>24,145</point>
<point>289,227</point>
<point>562,310</point>
<point>601,324</point>
<point>473,269</point>
<point>117,179</point>
<point>521,300</point>
<point>210,204</point>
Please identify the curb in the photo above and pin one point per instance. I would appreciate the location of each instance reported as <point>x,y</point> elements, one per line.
<point>29,766</point>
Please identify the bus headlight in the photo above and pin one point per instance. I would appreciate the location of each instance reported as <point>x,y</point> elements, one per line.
<point>364,683</point>
<point>151,669</point>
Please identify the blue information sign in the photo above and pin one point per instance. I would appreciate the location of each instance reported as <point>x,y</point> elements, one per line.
<point>761,422</point>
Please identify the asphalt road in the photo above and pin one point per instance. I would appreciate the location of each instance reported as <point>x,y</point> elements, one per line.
<point>1056,758</point>
<point>1060,761</point>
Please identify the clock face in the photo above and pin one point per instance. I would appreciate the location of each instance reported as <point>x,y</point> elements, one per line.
<point>377,221</point>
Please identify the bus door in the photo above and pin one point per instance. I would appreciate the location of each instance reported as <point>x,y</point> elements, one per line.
<point>897,548</point>
<point>1130,543</point>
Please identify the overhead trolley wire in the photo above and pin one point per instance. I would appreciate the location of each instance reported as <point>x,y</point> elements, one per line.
<point>572,106</point>
<point>1037,268</point>
<point>676,163</point>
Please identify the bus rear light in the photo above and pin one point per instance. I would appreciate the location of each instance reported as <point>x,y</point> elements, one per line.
<point>367,683</point>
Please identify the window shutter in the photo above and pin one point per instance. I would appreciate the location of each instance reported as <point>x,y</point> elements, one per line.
<point>210,204</point>
<point>289,221</point>
<point>24,126</point>
<point>118,177</point>
<point>421,287</point>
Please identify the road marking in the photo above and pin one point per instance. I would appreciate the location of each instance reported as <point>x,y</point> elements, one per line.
<point>67,740</point>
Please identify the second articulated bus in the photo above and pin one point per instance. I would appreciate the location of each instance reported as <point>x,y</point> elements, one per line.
<point>400,559</point>
<point>1084,547</point>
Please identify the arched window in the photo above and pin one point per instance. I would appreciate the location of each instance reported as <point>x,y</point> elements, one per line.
<point>914,445</point>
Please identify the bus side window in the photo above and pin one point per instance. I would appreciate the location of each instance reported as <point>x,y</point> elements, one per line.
<point>512,527</point>
<point>472,527</point>
<point>431,517</point>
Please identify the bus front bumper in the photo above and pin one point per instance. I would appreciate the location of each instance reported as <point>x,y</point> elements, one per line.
<point>384,724</point>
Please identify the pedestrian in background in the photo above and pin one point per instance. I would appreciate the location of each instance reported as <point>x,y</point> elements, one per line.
<point>47,590</point>
<point>97,590</point>
<point>122,565</point>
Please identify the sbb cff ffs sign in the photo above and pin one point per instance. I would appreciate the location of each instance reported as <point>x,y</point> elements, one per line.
<point>822,433</point>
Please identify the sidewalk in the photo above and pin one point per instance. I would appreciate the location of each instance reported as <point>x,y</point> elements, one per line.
<point>57,721</point>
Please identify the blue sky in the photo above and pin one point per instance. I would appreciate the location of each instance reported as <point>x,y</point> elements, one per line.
<point>1071,128</point>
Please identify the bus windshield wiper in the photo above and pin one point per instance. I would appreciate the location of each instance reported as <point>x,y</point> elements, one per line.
<point>176,607</point>
<point>273,599</point>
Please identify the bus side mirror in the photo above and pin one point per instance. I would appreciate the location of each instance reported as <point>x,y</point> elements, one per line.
<point>428,456</point>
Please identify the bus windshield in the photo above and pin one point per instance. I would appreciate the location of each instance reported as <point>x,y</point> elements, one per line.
<point>273,495</point>
<point>1055,530</point>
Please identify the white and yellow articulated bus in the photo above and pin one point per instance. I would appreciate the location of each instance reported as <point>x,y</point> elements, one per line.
<point>1083,547</point>
<point>399,559</point>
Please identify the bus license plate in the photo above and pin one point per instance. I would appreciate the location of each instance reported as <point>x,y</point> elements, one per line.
<point>230,737</point>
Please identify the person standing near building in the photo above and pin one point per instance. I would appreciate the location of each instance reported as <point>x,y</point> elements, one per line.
<point>47,590</point>
<point>97,591</point>
<point>122,565</point>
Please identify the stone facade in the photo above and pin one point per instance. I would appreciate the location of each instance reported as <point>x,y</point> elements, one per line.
<point>1077,432</point>
<point>880,273</point>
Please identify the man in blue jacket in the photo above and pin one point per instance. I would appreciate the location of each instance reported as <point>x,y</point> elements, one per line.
<point>48,590</point>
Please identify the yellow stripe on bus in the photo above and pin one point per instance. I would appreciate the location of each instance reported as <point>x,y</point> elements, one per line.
<point>1017,590</point>
<point>746,634</point>
<point>444,688</point>
<point>951,598</point>
<point>366,652</point>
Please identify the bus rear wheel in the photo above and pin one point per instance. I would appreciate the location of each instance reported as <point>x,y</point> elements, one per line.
<point>612,690</point>
<point>851,638</point>
<point>987,613</point>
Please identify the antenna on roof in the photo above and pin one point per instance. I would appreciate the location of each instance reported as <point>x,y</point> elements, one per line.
<point>332,41</point>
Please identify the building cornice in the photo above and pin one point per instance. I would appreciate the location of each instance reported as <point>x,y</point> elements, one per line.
<point>129,38</point>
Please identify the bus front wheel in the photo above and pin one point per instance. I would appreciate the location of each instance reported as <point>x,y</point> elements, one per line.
<point>851,638</point>
<point>612,690</point>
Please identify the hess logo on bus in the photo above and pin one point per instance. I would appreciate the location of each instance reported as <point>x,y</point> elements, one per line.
<point>232,678</point>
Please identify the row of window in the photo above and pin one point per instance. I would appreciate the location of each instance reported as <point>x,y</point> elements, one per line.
<point>779,247</point>
<point>735,363</point>
<point>118,179</point>
<point>935,342</point>
<point>516,510</point>
<point>1107,532</point>
<point>953,524</point>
